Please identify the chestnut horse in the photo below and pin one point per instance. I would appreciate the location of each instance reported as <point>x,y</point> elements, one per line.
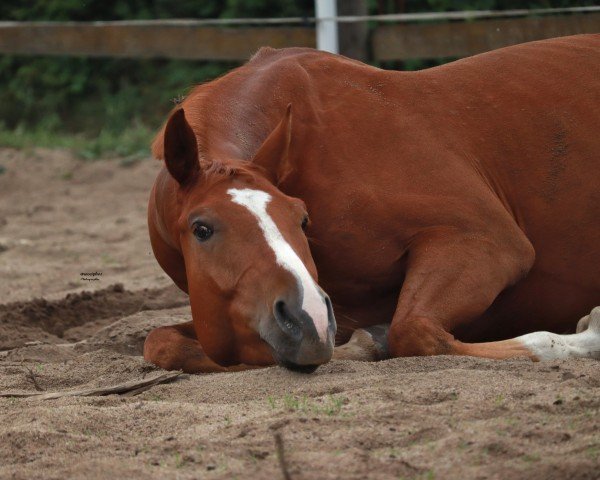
<point>451,209</point>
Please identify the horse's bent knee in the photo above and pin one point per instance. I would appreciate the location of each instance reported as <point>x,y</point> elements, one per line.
<point>161,350</point>
<point>419,336</point>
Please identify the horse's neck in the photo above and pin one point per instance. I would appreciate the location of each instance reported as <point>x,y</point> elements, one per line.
<point>237,131</point>
<point>240,110</point>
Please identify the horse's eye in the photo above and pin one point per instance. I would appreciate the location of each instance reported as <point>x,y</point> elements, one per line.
<point>202,231</point>
<point>304,223</point>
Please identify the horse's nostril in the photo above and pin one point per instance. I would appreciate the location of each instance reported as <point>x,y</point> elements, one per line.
<point>280,308</point>
<point>294,337</point>
<point>286,319</point>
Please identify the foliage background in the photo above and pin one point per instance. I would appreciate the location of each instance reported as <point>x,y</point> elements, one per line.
<point>112,106</point>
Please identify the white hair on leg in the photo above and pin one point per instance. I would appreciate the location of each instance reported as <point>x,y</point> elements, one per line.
<point>551,346</point>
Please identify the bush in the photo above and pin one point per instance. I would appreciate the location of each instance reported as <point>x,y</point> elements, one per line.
<point>105,101</point>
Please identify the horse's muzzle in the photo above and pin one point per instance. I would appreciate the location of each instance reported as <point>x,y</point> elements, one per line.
<point>294,339</point>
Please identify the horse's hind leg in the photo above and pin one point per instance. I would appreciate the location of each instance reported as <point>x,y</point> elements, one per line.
<point>545,345</point>
<point>583,344</point>
<point>584,322</point>
<point>366,344</point>
<point>370,344</point>
<point>176,348</point>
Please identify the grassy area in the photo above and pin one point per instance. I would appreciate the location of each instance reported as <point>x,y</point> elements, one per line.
<point>132,142</point>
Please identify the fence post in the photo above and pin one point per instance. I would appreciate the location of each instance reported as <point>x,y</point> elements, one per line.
<point>327,31</point>
<point>354,37</point>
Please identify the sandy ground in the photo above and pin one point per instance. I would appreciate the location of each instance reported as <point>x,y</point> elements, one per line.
<point>60,331</point>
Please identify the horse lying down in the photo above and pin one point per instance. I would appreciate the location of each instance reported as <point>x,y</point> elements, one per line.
<point>453,210</point>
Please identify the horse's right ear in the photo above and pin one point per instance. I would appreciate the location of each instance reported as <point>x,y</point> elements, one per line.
<point>273,154</point>
<point>181,149</point>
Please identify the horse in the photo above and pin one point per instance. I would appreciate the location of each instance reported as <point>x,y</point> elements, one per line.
<point>448,211</point>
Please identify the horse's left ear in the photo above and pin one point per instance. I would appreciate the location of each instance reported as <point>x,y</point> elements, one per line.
<point>273,154</point>
<point>181,149</point>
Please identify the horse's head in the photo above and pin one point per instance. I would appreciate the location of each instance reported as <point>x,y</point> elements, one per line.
<point>230,238</point>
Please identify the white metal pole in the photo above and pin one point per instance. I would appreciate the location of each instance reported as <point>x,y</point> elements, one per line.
<point>327,30</point>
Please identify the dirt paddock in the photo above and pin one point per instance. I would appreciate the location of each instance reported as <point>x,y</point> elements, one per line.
<point>79,291</point>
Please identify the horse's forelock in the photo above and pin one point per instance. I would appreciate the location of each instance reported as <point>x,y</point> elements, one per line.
<point>213,171</point>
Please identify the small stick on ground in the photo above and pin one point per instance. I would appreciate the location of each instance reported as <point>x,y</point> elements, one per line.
<point>31,376</point>
<point>281,456</point>
<point>119,389</point>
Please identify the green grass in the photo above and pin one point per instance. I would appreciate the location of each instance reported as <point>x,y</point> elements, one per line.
<point>129,144</point>
<point>593,451</point>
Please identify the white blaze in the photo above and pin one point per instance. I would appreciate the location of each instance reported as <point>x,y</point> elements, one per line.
<point>313,302</point>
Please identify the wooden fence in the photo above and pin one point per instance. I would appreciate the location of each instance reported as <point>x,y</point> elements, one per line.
<point>148,39</point>
<point>191,39</point>
<point>460,39</point>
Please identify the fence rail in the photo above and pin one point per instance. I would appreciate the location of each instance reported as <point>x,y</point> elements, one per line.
<point>148,40</point>
<point>212,40</point>
<point>460,39</point>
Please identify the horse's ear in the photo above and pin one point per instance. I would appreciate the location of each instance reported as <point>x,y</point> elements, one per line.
<point>181,149</point>
<point>273,154</point>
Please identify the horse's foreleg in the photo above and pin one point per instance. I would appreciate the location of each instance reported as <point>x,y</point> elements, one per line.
<point>452,278</point>
<point>176,348</point>
<point>450,286</point>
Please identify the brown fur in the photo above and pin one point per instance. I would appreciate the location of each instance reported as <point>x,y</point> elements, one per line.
<point>458,203</point>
